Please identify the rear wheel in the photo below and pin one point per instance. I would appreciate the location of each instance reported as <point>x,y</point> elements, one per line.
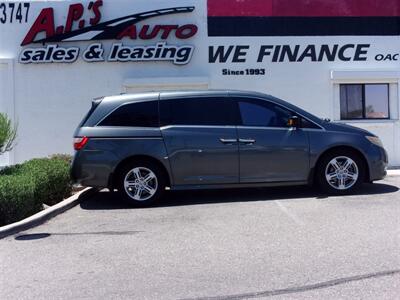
<point>340,172</point>
<point>141,183</point>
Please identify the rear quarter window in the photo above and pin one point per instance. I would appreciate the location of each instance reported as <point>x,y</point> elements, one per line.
<point>95,104</point>
<point>139,114</point>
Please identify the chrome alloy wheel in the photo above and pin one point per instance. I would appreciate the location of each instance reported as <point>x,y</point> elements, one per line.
<point>140,183</point>
<point>341,173</point>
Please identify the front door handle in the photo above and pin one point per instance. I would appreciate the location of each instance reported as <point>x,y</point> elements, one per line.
<point>228,141</point>
<point>247,141</point>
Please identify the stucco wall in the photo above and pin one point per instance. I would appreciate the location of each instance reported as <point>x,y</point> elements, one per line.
<point>49,99</point>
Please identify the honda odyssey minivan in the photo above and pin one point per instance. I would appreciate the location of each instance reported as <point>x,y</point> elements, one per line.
<point>141,144</point>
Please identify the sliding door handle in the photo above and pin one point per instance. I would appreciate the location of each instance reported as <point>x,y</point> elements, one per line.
<point>247,141</point>
<point>228,141</point>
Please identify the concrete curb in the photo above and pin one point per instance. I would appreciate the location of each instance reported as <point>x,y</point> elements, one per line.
<point>394,172</point>
<point>45,215</point>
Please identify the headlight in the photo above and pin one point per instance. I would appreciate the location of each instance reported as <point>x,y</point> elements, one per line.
<point>374,140</point>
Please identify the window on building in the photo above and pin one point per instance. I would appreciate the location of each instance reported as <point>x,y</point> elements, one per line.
<point>364,101</point>
<point>141,114</point>
<point>198,111</point>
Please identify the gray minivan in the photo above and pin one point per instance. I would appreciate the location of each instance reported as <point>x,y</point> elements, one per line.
<point>141,144</point>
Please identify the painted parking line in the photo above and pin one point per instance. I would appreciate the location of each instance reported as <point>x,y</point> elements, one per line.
<point>289,213</point>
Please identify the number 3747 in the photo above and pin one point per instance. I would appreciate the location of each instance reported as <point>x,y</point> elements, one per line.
<point>14,12</point>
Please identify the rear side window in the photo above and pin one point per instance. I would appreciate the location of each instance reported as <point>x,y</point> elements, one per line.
<point>140,114</point>
<point>198,111</point>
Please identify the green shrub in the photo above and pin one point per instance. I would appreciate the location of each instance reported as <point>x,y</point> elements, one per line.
<point>10,170</point>
<point>51,177</point>
<point>62,156</point>
<point>17,198</point>
<point>24,188</point>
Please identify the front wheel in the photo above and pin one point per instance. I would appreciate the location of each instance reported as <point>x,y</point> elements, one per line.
<point>141,184</point>
<point>340,172</point>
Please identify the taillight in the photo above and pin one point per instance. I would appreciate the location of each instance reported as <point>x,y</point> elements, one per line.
<point>80,142</point>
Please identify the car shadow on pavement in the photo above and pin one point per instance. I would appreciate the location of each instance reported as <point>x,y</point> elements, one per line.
<point>105,200</point>
<point>43,235</point>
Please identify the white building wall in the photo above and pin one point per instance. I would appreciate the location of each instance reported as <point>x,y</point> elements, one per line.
<point>51,99</point>
<point>7,100</point>
<point>48,100</point>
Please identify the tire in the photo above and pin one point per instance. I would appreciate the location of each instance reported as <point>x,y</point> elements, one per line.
<point>141,184</point>
<point>340,172</point>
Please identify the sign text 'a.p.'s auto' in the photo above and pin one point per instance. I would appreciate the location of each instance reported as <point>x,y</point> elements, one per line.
<point>131,27</point>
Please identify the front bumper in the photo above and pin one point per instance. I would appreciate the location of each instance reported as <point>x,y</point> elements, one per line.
<point>378,161</point>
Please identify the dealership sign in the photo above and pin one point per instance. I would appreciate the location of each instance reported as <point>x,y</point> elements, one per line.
<point>264,34</point>
<point>131,27</point>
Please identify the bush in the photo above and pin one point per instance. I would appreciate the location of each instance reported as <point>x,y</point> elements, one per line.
<point>8,133</point>
<point>51,177</point>
<point>24,188</point>
<point>62,156</point>
<point>17,198</point>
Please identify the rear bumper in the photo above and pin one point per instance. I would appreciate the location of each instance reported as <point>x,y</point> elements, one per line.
<point>90,169</point>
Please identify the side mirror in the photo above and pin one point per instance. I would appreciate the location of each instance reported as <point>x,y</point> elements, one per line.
<point>293,122</point>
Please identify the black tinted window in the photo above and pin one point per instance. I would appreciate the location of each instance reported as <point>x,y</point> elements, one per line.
<point>364,101</point>
<point>95,103</point>
<point>262,113</point>
<point>307,124</point>
<point>141,114</point>
<point>198,111</point>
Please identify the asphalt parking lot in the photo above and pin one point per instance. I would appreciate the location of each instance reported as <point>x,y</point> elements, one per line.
<point>281,243</point>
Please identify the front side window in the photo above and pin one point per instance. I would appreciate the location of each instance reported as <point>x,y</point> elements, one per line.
<point>140,114</point>
<point>255,112</point>
<point>198,111</point>
<point>364,101</point>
